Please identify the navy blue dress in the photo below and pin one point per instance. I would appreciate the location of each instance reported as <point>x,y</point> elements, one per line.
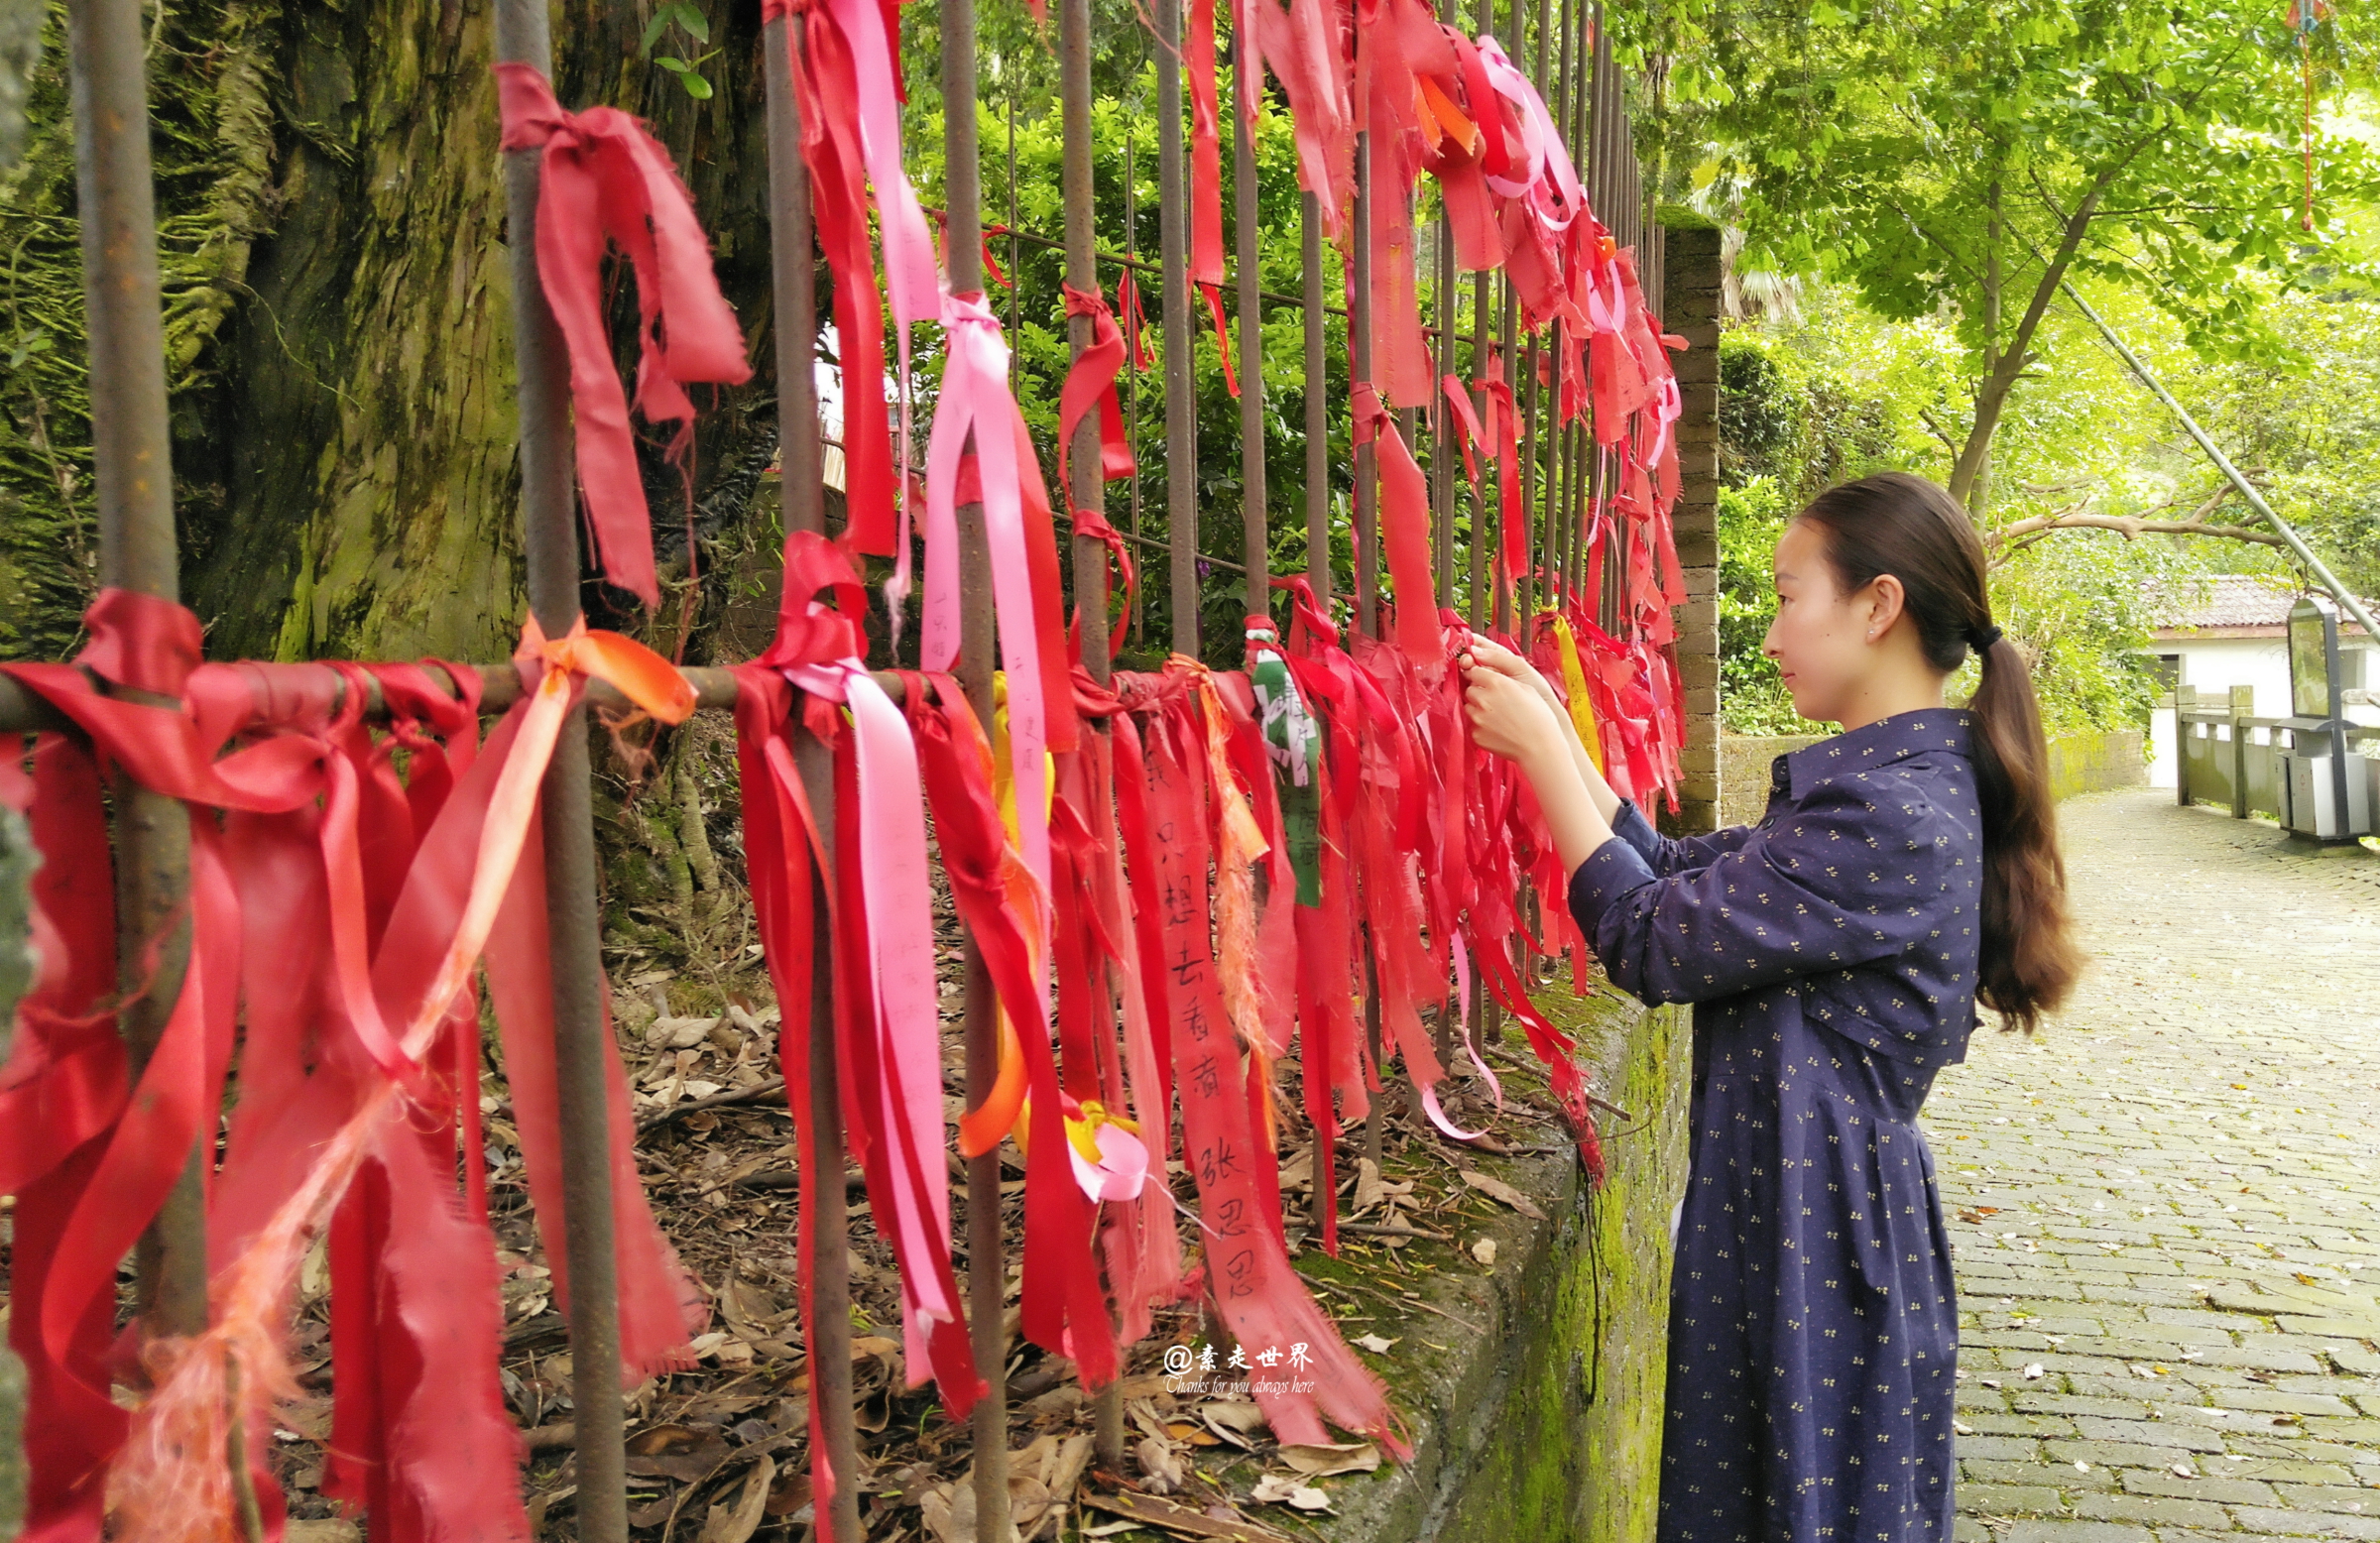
<point>1830,951</point>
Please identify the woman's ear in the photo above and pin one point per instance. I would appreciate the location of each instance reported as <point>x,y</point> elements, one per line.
<point>1885,602</point>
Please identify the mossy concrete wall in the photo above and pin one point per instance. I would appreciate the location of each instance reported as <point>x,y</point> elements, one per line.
<point>1537,1390</point>
<point>2078,763</point>
<point>16,975</point>
<point>2095,762</point>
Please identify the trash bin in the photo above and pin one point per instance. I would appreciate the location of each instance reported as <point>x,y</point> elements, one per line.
<point>2324,792</point>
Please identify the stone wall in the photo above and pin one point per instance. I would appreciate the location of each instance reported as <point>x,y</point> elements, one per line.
<point>1691,303</point>
<point>15,975</point>
<point>1537,1393</point>
<point>2095,762</point>
<point>2078,763</point>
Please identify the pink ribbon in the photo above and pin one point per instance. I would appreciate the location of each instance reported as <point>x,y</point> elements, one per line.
<point>976,401</point>
<point>901,989</point>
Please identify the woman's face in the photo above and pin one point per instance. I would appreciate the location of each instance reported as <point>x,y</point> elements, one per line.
<point>1819,638</point>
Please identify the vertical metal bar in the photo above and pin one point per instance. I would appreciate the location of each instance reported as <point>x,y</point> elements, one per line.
<point>1246,86</point>
<point>1367,554</point>
<point>549,533</point>
<point>1015,281</point>
<point>131,444</point>
<point>1560,537</point>
<point>1442,443</point>
<point>1132,362</point>
<point>796,336</point>
<point>1089,485</point>
<point>1358,337</point>
<point>1318,409</point>
<point>1482,523</point>
<point>1181,378</point>
<point>987,1259</point>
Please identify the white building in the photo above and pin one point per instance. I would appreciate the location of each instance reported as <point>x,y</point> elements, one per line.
<point>2236,633</point>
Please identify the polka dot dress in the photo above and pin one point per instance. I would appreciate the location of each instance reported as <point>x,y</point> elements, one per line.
<point>1830,950</point>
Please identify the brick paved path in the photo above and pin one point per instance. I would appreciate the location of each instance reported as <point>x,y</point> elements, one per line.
<point>2166,1206</point>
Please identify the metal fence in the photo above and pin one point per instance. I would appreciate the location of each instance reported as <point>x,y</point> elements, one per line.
<point>2226,755</point>
<point>1566,51</point>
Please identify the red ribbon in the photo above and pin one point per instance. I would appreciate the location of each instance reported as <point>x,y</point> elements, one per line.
<point>1404,532</point>
<point>1248,1272</point>
<point>604,180</point>
<point>1091,384</point>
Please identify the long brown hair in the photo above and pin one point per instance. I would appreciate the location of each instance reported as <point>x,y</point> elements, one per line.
<point>1909,527</point>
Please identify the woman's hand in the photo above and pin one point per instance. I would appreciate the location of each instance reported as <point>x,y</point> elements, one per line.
<point>1491,654</point>
<point>1506,716</point>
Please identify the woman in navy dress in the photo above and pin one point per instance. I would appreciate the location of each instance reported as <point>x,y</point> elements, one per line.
<point>1904,871</point>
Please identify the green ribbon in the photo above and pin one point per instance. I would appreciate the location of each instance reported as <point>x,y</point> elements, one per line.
<point>1293,743</point>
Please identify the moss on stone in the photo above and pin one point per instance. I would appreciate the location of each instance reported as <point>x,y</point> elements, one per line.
<point>1539,1416</point>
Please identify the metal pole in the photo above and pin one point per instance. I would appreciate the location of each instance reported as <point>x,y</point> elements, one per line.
<point>2247,490</point>
<point>1441,443</point>
<point>1132,363</point>
<point>1257,538</point>
<point>796,333</point>
<point>549,532</point>
<point>134,490</point>
<point>1358,336</point>
<point>1482,529</point>
<point>1089,488</point>
<point>1181,380</point>
<point>1318,411</point>
<point>986,1258</point>
<point>1561,537</point>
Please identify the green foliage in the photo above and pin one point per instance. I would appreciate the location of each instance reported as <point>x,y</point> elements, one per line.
<point>210,90</point>
<point>689,20</point>
<point>1954,160</point>
<point>1753,699</point>
<point>1811,403</point>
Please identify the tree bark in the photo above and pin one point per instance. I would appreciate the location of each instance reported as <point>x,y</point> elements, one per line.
<point>367,436</point>
<point>2002,371</point>
<point>332,234</point>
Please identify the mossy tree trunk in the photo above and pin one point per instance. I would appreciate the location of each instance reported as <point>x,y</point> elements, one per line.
<point>339,323</point>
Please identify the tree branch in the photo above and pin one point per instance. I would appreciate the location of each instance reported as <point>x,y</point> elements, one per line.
<point>2017,534</point>
<point>1993,392</point>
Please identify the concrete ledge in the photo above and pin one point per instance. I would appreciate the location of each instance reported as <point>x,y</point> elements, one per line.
<point>1538,1415</point>
<point>2078,763</point>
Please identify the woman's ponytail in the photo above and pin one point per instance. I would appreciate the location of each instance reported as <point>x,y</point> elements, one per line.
<point>2029,958</point>
<point>1905,526</point>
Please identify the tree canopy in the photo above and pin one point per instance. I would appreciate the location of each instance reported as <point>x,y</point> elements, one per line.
<point>1960,159</point>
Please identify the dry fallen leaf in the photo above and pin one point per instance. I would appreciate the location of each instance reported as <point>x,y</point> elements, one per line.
<point>1161,1468</point>
<point>1321,1459</point>
<point>1374,1343</point>
<point>333,1531</point>
<point>1272,1489</point>
<point>1372,1189</point>
<point>1484,1251</point>
<point>1233,1420</point>
<point>2034,1369</point>
<point>1498,1189</point>
<point>737,1524</point>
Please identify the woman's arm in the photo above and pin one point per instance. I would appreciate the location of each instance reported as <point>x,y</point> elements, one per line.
<point>1488,655</point>
<point>1620,816</point>
<point>1852,877</point>
<point>1510,719</point>
<point>1667,855</point>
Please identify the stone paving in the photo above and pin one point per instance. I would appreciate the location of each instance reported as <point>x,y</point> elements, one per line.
<point>2166,1207</point>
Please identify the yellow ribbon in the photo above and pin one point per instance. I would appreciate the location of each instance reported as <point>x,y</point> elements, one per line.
<point>1574,684</point>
